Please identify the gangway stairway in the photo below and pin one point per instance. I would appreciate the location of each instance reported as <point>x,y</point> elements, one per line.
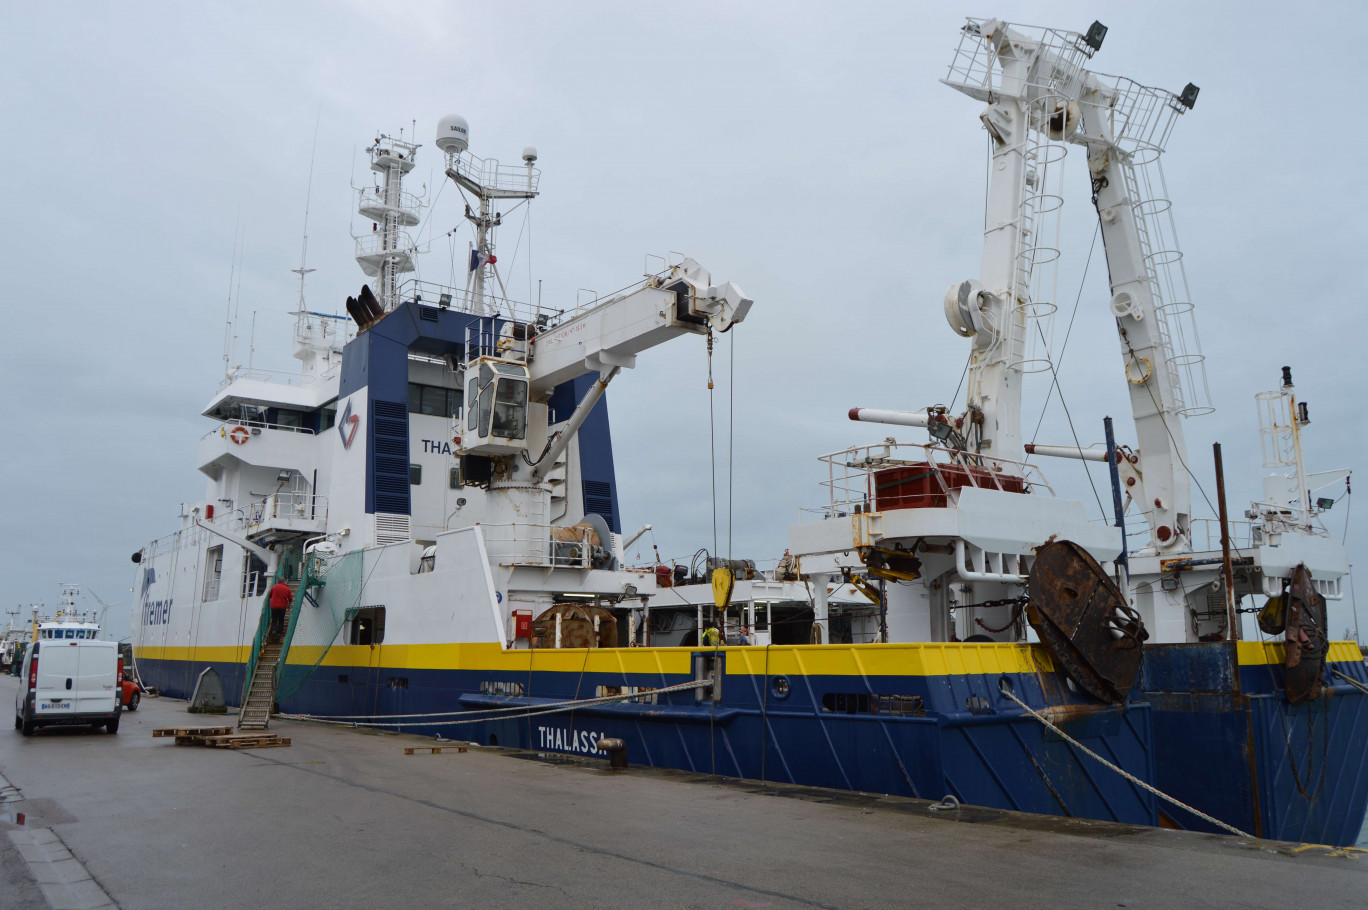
<point>259,695</point>
<point>256,707</point>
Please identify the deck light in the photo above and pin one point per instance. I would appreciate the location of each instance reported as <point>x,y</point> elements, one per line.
<point>1096,32</point>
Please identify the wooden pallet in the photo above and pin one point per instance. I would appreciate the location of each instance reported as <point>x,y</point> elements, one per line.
<point>222,738</point>
<point>179,732</point>
<point>435,750</point>
<point>246,741</point>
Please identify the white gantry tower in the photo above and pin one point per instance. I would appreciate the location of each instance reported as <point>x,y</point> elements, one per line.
<point>387,251</point>
<point>1039,96</point>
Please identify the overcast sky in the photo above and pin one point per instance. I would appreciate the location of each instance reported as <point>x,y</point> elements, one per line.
<point>805,151</point>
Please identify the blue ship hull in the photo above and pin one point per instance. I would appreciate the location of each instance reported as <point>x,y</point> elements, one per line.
<point>1228,742</point>
<point>1222,741</point>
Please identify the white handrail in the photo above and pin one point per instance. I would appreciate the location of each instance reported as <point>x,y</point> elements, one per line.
<point>851,472</point>
<point>225,427</point>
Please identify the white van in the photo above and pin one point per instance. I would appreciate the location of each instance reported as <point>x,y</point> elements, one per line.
<point>69,677</point>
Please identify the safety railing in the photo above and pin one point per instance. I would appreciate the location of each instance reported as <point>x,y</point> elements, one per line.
<point>263,627</point>
<point>973,69</point>
<point>1141,116</point>
<point>297,507</point>
<point>490,174</point>
<point>910,475</point>
<point>1286,519</point>
<point>372,245</point>
<point>542,545</point>
<point>306,572</point>
<point>491,337</point>
<point>446,297</point>
<point>224,429</point>
<point>288,567</point>
<point>372,202</point>
<point>255,373</point>
<point>443,297</point>
<point>1206,534</point>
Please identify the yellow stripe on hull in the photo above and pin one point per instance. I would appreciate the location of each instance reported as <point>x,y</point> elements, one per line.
<point>920,659</point>
<point>917,659</point>
<point>1261,653</point>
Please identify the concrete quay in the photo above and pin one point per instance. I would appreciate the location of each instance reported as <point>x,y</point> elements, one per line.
<point>343,818</point>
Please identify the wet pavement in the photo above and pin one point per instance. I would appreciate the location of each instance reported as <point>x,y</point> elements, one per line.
<point>344,818</point>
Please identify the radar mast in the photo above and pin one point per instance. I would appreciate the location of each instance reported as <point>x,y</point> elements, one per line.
<point>486,180</point>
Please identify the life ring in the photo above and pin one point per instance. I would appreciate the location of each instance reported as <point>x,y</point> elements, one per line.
<point>1143,365</point>
<point>238,434</point>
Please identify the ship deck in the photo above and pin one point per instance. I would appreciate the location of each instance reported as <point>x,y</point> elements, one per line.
<point>344,818</point>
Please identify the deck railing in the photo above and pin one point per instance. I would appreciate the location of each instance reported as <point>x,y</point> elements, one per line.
<point>857,476</point>
<point>538,545</point>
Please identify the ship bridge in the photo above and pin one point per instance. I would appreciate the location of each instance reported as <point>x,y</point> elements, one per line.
<point>264,451</point>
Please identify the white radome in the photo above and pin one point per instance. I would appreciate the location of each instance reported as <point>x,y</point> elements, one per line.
<point>453,134</point>
<point>530,154</point>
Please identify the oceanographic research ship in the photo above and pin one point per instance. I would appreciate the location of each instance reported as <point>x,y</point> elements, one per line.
<point>439,492</point>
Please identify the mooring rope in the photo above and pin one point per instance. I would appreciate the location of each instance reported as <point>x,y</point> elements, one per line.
<point>465,717</point>
<point>1351,681</point>
<point>1123,772</point>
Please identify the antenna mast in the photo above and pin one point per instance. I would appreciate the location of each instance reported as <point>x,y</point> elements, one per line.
<point>300,328</point>
<point>228,315</point>
<point>487,180</point>
<point>387,252</point>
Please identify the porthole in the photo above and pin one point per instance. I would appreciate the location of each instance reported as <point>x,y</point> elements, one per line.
<point>780,686</point>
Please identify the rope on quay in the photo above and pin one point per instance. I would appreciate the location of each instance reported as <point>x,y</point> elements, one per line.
<point>1124,773</point>
<point>479,716</point>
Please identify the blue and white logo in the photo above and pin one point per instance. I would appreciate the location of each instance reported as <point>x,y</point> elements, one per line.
<point>346,427</point>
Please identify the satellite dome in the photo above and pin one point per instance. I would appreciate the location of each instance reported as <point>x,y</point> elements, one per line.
<point>453,134</point>
<point>530,154</point>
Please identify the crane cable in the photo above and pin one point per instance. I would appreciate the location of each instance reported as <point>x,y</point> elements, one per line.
<point>712,440</point>
<point>731,434</point>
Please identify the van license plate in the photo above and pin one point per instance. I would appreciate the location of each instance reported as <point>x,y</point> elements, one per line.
<point>48,705</point>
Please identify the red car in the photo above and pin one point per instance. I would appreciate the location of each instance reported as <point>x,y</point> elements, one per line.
<point>132,692</point>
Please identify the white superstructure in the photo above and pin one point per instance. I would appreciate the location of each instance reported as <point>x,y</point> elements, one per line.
<point>444,440</point>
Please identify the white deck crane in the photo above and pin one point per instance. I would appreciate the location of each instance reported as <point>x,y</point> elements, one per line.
<point>513,360</point>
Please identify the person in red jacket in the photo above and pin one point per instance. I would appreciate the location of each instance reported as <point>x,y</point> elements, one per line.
<point>280,597</point>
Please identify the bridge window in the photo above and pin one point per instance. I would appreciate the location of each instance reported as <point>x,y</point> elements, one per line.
<point>289,418</point>
<point>433,401</point>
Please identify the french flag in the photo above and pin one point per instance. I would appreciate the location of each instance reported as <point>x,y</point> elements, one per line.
<point>478,259</point>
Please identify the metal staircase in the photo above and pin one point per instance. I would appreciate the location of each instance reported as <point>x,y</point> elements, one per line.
<point>256,707</point>
<point>258,697</point>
